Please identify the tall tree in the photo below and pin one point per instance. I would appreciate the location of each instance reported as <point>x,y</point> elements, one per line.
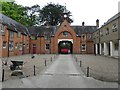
<point>14,11</point>
<point>27,16</point>
<point>33,15</point>
<point>51,14</point>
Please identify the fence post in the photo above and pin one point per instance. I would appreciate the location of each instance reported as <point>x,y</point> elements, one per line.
<point>3,72</point>
<point>34,70</point>
<point>76,59</point>
<point>80,63</point>
<point>88,71</point>
<point>51,59</point>
<point>45,62</point>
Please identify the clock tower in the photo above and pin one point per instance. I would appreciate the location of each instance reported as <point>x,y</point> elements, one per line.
<point>65,13</point>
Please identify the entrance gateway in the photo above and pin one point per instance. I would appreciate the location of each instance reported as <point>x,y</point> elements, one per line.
<point>65,46</point>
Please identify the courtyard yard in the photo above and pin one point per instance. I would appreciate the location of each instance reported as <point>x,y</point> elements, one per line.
<point>101,67</point>
<point>28,64</point>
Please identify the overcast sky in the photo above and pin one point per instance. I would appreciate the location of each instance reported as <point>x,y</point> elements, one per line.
<point>82,10</point>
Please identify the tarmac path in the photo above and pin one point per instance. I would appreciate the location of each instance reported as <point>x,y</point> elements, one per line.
<point>64,72</point>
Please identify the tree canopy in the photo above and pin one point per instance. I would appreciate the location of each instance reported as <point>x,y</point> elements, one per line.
<point>14,11</point>
<point>51,14</point>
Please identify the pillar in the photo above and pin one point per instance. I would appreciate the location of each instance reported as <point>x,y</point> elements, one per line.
<point>105,49</point>
<point>100,49</point>
<point>111,48</point>
<point>96,48</point>
<point>119,45</point>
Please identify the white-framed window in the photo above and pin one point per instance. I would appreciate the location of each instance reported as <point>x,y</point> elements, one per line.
<point>11,33</point>
<point>65,34</point>
<point>11,45</point>
<point>16,45</point>
<point>4,44</point>
<point>18,34</point>
<point>83,47</point>
<point>114,27</point>
<point>47,46</point>
<point>2,29</point>
<point>83,37</point>
<point>21,46</point>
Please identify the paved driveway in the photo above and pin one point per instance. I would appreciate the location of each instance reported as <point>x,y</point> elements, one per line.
<point>63,73</point>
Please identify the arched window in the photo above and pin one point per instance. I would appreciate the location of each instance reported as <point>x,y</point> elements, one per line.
<point>65,34</point>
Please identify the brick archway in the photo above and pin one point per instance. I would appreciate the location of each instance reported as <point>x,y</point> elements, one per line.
<point>65,47</point>
<point>65,27</point>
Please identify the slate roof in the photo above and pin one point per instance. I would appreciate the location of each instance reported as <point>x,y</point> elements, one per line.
<point>13,25</point>
<point>84,29</point>
<point>43,30</point>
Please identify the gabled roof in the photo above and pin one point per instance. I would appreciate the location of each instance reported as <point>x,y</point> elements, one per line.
<point>44,30</point>
<point>13,25</point>
<point>84,29</point>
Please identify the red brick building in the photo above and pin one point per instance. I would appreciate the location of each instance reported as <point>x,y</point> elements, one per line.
<point>52,39</point>
<point>17,39</point>
<point>14,38</point>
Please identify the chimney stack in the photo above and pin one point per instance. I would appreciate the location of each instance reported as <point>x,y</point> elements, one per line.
<point>97,23</point>
<point>83,24</point>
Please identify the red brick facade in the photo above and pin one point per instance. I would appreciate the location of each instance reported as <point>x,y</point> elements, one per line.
<point>71,35</point>
<point>24,44</point>
<point>40,43</point>
<point>5,52</point>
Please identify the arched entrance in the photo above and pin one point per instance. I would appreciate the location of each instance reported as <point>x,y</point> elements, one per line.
<point>65,47</point>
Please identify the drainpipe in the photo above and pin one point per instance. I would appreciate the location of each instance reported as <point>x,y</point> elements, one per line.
<point>29,44</point>
<point>8,42</point>
<point>23,45</point>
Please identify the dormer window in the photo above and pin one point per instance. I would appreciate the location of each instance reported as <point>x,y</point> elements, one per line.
<point>2,29</point>
<point>11,33</point>
<point>65,34</point>
<point>18,34</point>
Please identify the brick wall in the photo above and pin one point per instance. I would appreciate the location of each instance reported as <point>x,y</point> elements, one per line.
<point>16,51</point>
<point>0,44</point>
<point>71,35</point>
